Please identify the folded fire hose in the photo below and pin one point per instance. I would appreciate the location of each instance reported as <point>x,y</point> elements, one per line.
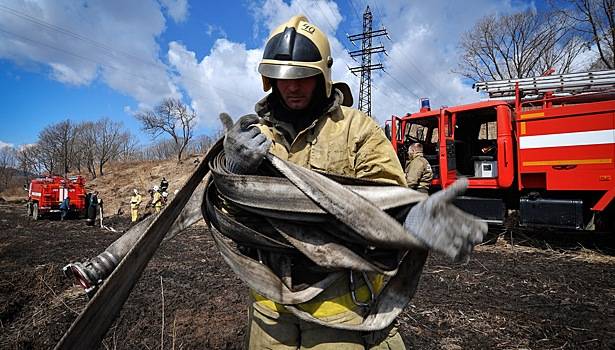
<point>340,224</point>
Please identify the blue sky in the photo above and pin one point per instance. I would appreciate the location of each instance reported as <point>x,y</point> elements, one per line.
<point>84,60</point>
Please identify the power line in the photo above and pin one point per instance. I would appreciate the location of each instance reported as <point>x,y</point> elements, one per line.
<point>326,17</point>
<point>403,70</point>
<point>423,77</point>
<point>147,79</point>
<point>354,8</point>
<point>403,106</point>
<point>100,45</point>
<point>68,32</point>
<point>402,84</point>
<point>304,10</point>
<point>378,10</point>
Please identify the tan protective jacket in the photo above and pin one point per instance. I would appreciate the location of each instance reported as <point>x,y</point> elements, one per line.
<point>157,200</point>
<point>419,173</point>
<point>347,142</point>
<point>135,201</point>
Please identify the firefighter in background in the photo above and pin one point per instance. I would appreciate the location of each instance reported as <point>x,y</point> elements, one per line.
<point>135,202</point>
<point>418,170</point>
<point>305,121</point>
<point>64,207</point>
<point>164,185</point>
<point>92,209</point>
<point>157,199</point>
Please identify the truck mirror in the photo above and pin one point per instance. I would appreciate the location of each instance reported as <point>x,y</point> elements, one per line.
<point>387,131</point>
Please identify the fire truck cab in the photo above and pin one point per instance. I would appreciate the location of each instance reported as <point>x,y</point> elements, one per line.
<point>45,195</point>
<point>542,148</point>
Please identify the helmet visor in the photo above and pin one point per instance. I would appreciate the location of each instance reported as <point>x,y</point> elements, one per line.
<point>278,71</point>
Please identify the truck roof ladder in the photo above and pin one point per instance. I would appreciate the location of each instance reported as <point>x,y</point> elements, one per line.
<point>572,83</point>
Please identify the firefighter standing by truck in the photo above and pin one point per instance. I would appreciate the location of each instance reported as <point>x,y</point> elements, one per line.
<point>304,120</point>
<point>92,209</point>
<point>418,170</point>
<point>64,208</point>
<point>135,202</point>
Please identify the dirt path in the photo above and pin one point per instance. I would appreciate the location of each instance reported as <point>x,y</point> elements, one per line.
<point>548,292</point>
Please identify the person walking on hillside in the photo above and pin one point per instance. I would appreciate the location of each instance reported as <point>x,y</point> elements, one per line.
<point>418,171</point>
<point>135,202</point>
<point>306,120</point>
<point>157,200</point>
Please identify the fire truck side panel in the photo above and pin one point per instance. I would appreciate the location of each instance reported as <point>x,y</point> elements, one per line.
<point>568,148</point>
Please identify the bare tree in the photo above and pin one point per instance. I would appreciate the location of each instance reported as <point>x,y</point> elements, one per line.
<point>160,150</point>
<point>171,117</point>
<point>99,143</point>
<point>8,162</point>
<point>109,139</point>
<point>57,146</point>
<point>518,45</point>
<point>129,147</point>
<point>201,144</point>
<point>594,20</point>
<point>28,160</point>
<point>87,146</point>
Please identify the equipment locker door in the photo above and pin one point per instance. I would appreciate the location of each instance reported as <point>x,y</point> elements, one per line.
<point>448,160</point>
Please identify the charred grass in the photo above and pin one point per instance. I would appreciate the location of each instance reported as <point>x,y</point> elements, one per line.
<point>525,290</point>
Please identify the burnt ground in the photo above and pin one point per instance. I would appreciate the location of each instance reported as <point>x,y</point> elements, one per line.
<point>528,290</point>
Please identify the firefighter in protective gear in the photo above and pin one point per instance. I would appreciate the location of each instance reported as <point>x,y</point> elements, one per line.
<point>418,170</point>
<point>306,119</point>
<point>157,200</point>
<point>303,121</point>
<point>135,202</point>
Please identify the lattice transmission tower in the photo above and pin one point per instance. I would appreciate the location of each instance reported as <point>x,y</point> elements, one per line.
<point>366,67</point>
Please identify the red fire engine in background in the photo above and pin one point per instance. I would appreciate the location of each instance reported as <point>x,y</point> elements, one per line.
<point>47,193</point>
<point>540,149</point>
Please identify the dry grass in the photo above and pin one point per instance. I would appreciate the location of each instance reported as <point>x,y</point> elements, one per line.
<point>520,243</point>
<point>115,187</point>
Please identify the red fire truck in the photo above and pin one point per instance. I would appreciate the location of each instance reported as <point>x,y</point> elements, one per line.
<point>540,149</point>
<point>45,195</point>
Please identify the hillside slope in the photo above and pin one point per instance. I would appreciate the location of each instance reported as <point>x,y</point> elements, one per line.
<point>115,187</point>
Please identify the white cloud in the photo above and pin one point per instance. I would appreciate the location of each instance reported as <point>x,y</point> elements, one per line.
<point>324,14</point>
<point>585,58</point>
<point>212,30</point>
<point>224,81</point>
<point>115,41</point>
<point>69,75</point>
<point>5,144</point>
<point>177,9</point>
<point>422,53</point>
<point>421,58</point>
<point>83,41</point>
<point>227,80</point>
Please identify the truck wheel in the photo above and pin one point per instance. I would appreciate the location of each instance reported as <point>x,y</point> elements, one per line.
<point>35,211</point>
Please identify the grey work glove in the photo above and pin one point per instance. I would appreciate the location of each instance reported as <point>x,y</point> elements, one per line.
<point>245,146</point>
<point>442,226</point>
